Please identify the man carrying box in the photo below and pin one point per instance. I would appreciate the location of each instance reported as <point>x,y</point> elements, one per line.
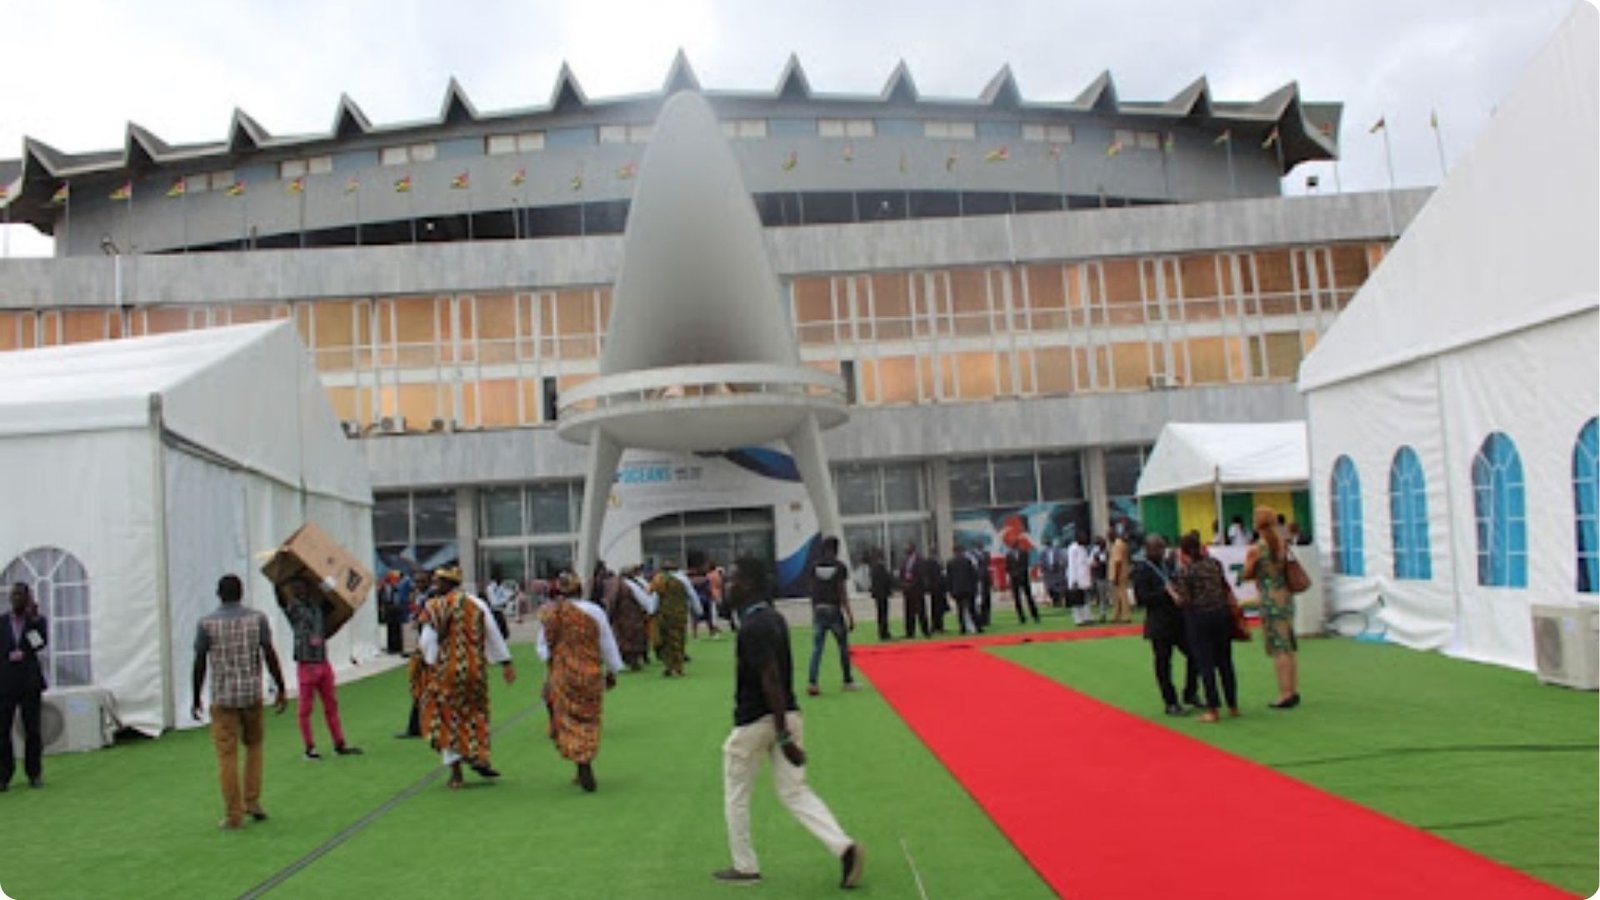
<point>307,609</point>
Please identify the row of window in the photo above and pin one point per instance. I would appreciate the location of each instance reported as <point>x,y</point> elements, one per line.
<point>529,141</point>
<point>1499,505</point>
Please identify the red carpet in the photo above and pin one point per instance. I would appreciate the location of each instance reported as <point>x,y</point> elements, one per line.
<point>1107,805</point>
<point>997,640</point>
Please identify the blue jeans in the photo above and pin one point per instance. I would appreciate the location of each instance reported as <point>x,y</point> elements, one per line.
<point>826,620</point>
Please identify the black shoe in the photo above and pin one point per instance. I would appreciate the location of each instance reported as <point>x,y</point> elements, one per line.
<point>1290,702</point>
<point>403,735</point>
<point>731,875</point>
<point>311,755</point>
<point>4,786</point>
<point>1194,702</point>
<point>258,814</point>
<point>586,777</point>
<point>36,782</point>
<point>346,750</point>
<point>485,770</point>
<point>850,865</point>
<point>1175,710</point>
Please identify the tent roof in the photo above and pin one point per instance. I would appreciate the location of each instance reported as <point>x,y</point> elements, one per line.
<point>244,393</point>
<point>1246,456</point>
<point>1506,243</point>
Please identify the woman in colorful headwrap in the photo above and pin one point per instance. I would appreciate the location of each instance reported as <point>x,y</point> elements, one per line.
<point>630,607</point>
<point>581,651</point>
<point>672,619</point>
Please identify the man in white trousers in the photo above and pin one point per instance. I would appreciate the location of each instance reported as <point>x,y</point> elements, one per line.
<point>767,724</point>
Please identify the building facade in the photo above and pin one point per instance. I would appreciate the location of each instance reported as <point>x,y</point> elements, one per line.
<point>1017,294</point>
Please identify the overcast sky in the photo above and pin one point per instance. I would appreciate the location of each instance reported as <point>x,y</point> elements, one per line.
<point>77,70</point>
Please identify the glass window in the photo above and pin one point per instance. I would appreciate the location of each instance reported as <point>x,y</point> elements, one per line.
<point>1408,516</point>
<point>1122,471</point>
<point>1347,542</point>
<point>1499,505</point>
<point>1586,503</point>
<point>291,168</point>
<point>1061,477</point>
<point>969,483</point>
<point>854,128</point>
<point>857,487</point>
<point>950,130</point>
<point>1015,482</point>
<point>902,488</point>
<point>1055,134</point>
<point>747,128</point>
<point>423,152</point>
<point>391,519</point>
<point>60,586</point>
<point>320,165</point>
<point>500,144</point>
<point>502,512</point>
<point>222,180</point>
<point>613,134</point>
<point>550,509</point>
<point>530,140</point>
<point>435,515</point>
<point>393,156</point>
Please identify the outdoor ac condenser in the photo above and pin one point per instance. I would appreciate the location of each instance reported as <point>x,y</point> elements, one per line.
<point>72,720</point>
<point>1564,646</point>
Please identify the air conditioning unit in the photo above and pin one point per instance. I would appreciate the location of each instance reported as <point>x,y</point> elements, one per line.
<point>442,426</point>
<point>72,720</point>
<point>1162,382</point>
<point>392,424</point>
<point>1565,646</point>
<point>352,428</point>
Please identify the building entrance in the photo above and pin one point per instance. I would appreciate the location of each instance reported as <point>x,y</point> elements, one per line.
<point>722,534</point>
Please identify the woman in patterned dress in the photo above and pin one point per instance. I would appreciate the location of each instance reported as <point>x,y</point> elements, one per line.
<point>577,644</point>
<point>1267,564</point>
<point>459,640</point>
<point>672,620</point>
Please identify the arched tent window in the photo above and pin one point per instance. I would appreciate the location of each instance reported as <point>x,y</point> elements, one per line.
<point>1499,504</point>
<point>1586,506</point>
<point>1346,492</point>
<point>61,588</point>
<point>1408,515</point>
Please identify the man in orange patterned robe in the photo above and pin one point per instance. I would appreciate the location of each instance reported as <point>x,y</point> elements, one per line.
<point>458,642</point>
<point>577,643</point>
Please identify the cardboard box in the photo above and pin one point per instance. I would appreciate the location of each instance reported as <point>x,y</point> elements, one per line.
<point>313,554</point>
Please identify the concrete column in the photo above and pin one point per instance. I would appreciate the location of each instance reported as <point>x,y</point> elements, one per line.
<point>467,535</point>
<point>604,456</point>
<point>1094,486</point>
<point>805,445</point>
<point>944,525</point>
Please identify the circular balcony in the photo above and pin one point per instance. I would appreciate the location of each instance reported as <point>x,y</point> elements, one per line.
<point>711,407</point>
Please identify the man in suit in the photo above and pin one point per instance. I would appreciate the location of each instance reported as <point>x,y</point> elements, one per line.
<point>24,634</point>
<point>1053,569</point>
<point>1163,623</point>
<point>931,572</point>
<point>985,599</point>
<point>915,597</point>
<point>1017,573</point>
<point>961,576</point>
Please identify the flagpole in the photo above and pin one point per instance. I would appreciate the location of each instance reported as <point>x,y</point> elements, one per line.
<point>1233,184</point>
<point>302,193</point>
<point>183,214</point>
<point>132,247</point>
<point>1388,157</point>
<point>357,192</point>
<point>1166,176</point>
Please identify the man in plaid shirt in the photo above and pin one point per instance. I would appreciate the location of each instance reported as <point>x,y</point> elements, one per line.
<point>234,640</point>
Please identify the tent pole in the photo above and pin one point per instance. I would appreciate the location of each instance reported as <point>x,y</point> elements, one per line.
<point>1216,497</point>
<point>169,715</point>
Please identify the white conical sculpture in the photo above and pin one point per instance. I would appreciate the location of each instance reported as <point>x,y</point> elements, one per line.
<point>698,354</point>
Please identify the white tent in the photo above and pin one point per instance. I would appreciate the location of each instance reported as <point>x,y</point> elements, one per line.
<point>139,471</point>
<point>1233,457</point>
<point>1447,406</point>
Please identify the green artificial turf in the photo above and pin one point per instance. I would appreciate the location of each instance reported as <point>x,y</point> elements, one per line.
<point>1483,756</point>
<point>139,820</point>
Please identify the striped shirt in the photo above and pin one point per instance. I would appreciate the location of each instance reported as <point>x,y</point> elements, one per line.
<point>232,639</point>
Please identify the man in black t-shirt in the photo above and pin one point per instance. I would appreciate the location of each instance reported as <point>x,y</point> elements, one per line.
<point>766,723</point>
<point>830,613</point>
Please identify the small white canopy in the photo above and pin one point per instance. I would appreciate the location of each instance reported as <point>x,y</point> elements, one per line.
<point>1235,457</point>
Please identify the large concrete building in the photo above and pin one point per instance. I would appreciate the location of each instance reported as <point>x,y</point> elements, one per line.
<point>1017,294</point>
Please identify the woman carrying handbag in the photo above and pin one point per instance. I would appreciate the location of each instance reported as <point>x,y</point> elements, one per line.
<point>1272,566</point>
<point>1201,590</point>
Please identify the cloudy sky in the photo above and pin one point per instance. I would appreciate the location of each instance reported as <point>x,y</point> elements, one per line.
<point>77,70</point>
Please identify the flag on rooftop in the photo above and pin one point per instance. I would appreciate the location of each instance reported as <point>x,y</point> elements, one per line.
<point>1433,119</point>
<point>1376,126</point>
<point>626,172</point>
<point>237,188</point>
<point>352,184</point>
<point>61,194</point>
<point>577,182</point>
<point>461,182</point>
<point>519,176</point>
<point>403,185</point>
<point>297,185</point>
<point>1170,144</point>
<point>1114,149</point>
<point>790,161</point>
<point>849,153</point>
<point>1272,138</point>
<point>1001,153</point>
<point>180,186</point>
<point>1226,137</point>
<point>951,161</point>
<point>124,191</point>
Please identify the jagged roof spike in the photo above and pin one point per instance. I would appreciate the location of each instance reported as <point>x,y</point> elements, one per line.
<point>1100,95</point>
<point>457,106</point>
<point>245,133</point>
<point>680,75</point>
<point>348,119</point>
<point>900,88</point>
<point>567,93</point>
<point>1194,100</point>
<point>793,83</point>
<point>1273,105</point>
<point>42,156</point>
<point>1001,91</point>
<point>141,147</point>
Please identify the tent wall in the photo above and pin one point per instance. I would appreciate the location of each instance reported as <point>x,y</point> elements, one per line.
<point>93,495</point>
<point>223,520</point>
<point>1538,387</point>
